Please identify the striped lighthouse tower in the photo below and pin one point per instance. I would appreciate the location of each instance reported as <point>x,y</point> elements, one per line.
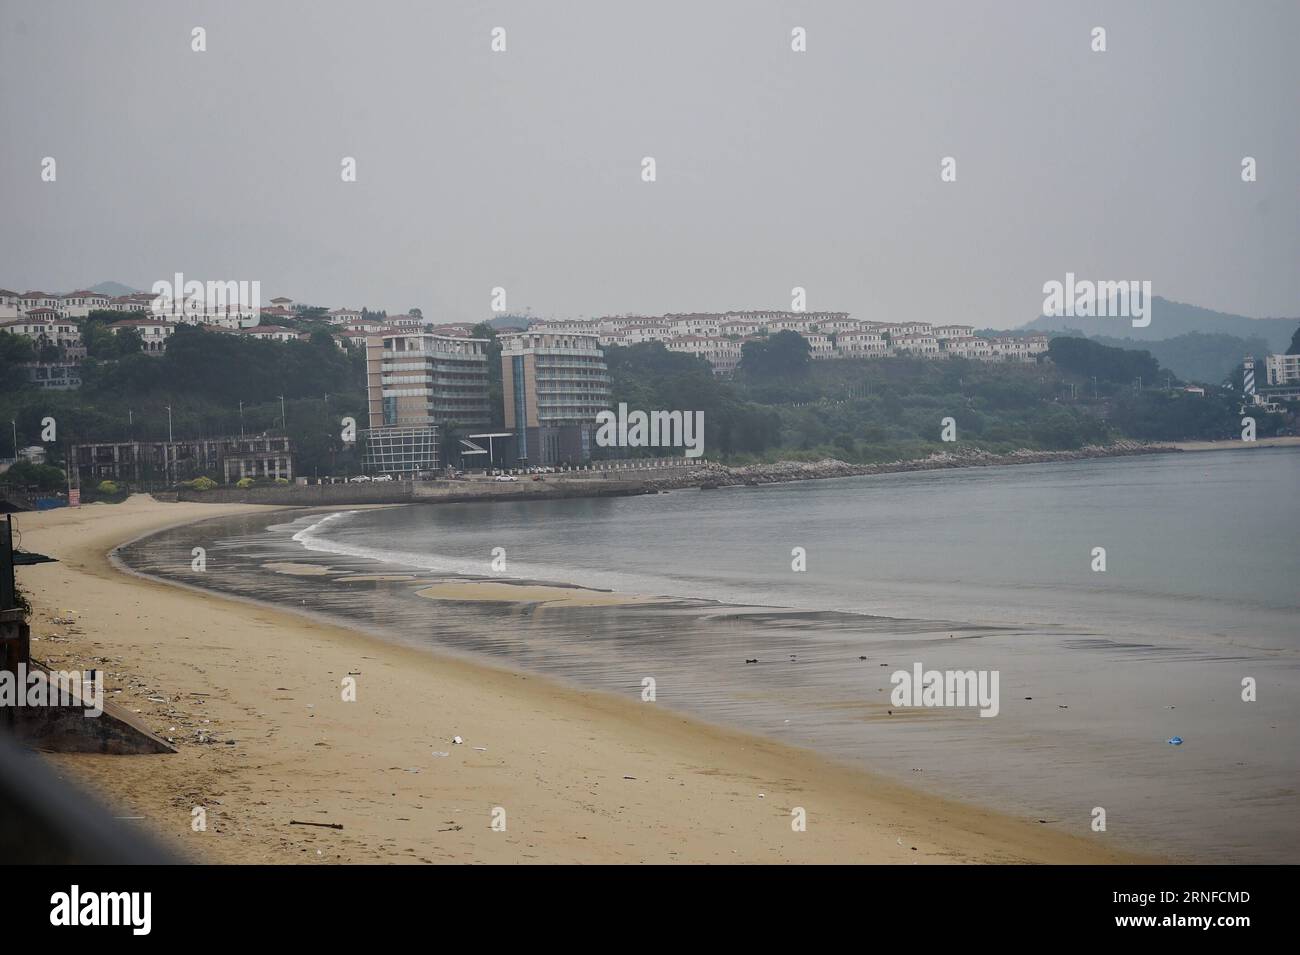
<point>1248,377</point>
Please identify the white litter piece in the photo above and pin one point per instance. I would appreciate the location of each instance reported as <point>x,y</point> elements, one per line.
<point>457,740</point>
<point>436,753</point>
<point>481,749</point>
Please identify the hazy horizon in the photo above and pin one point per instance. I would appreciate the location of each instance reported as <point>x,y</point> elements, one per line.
<point>776,169</point>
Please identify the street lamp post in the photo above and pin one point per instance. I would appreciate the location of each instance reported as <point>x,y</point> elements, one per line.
<point>171,452</point>
<point>284,423</point>
<point>14,422</point>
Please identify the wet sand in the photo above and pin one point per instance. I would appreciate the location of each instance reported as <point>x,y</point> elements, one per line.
<point>476,590</point>
<point>580,776</point>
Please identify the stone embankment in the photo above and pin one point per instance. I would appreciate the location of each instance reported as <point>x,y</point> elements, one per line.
<point>719,475</point>
<point>636,480</point>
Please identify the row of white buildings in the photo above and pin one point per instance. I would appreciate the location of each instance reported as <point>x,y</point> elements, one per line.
<point>42,305</point>
<point>52,319</point>
<point>718,337</point>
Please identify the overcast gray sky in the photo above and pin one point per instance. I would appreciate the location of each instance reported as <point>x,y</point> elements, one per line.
<point>775,169</point>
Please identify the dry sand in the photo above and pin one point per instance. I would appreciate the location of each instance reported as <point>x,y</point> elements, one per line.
<point>1235,445</point>
<point>557,760</point>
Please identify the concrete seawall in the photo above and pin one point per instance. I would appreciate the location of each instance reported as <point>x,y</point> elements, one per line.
<point>408,492</point>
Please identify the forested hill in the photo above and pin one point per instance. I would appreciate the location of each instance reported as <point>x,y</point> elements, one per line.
<point>1171,319</point>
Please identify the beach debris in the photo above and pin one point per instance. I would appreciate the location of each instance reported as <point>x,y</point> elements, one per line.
<point>755,660</point>
<point>452,829</point>
<point>629,777</point>
<point>457,740</point>
<point>1029,698</point>
<point>322,825</point>
<point>1175,741</point>
<point>436,753</point>
<point>481,749</point>
<point>1061,706</point>
<point>861,658</point>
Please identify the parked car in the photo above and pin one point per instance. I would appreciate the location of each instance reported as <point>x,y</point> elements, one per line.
<point>505,477</point>
<point>360,479</point>
<point>383,477</point>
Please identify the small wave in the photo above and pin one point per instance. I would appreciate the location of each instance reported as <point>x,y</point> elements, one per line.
<point>312,538</point>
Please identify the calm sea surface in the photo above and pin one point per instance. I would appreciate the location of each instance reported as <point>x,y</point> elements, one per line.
<point>982,568</point>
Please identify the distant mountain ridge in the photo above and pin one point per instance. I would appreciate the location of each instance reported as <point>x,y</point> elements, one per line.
<point>509,323</point>
<point>1173,319</point>
<point>112,288</point>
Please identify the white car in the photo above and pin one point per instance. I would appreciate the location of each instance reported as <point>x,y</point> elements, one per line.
<point>359,479</point>
<point>506,477</point>
<point>383,477</point>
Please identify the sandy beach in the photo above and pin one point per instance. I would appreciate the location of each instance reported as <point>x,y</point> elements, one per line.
<point>582,777</point>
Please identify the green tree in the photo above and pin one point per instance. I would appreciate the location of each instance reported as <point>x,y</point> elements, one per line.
<point>43,477</point>
<point>1087,358</point>
<point>783,355</point>
<point>15,350</point>
<point>129,342</point>
<point>495,393</point>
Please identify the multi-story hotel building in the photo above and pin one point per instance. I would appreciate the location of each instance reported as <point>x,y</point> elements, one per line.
<point>1283,369</point>
<point>419,385</point>
<point>553,386</point>
<point>230,457</point>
